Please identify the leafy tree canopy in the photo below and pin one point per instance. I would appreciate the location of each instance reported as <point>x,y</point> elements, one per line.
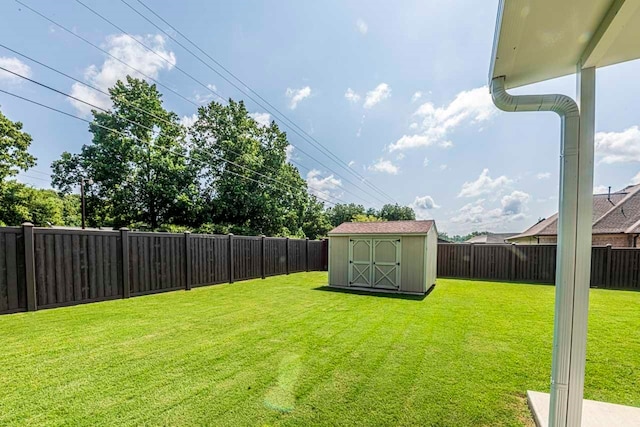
<point>14,146</point>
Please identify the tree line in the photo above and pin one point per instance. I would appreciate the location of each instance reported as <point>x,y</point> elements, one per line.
<point>225,173</point>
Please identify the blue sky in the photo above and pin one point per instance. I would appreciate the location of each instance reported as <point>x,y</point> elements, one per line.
<point>395,89</point>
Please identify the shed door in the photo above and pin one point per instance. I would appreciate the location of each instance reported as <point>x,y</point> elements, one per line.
<point>386,263</point>
<point>360,255</point>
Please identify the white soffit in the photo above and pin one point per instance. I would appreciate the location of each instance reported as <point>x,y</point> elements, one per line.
<point>537,40</point>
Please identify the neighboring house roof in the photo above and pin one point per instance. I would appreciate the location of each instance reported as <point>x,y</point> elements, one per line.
<point>615,213</point>
<point>384,227</point>
<point>490,238</point>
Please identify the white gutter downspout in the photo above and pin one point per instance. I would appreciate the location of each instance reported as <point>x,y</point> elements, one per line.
<point>574,249</point>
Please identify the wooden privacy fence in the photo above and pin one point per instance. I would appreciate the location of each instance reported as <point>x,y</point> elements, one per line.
<point>45,267</point>
<point>614,268</point>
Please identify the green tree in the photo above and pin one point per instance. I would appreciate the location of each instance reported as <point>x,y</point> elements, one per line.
<point>316,223</point>
<point>141,172</point>
<point>22,203</point>
<point>367,218</point>
<point>344,213</point>
<point>396,212</point>
<point>14,146</point>
<point>233,146</point>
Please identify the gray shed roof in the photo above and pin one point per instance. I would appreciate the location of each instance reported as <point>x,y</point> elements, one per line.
<point>384,227</point>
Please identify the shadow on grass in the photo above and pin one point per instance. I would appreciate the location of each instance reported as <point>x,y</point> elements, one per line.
<point>374,293</point>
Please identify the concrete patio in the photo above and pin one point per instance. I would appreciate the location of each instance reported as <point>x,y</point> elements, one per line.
<point>594,414</point>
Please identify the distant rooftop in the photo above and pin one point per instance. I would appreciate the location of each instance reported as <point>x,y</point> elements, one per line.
<point>615,213</point>
<point>491,238</point>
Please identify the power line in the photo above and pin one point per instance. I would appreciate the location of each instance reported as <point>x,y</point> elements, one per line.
<point>160,84</point>
<point>33,177</point>
<point>132,105</point>
<point>327,152</point>
<point>146,127</point>
<point>40,172</point>
<point>105,52</point>
<point>133,136</point>
<point>206,87</point>
<point>152,130</point>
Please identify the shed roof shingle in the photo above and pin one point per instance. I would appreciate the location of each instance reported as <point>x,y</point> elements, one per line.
<point>384,227</point>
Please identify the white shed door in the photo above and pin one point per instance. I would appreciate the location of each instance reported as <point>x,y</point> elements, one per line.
<point>374,263</point>
<point>386,263</point>
<point>360,256</point>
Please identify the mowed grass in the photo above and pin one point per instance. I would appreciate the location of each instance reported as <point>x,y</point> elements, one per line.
<point>285,351</point>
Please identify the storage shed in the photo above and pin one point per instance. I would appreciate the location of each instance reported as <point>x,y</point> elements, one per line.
<point>392,256</point>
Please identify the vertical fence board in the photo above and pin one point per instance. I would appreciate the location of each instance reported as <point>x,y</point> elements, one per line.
<point>67,259</point>
<point>75,266</point>
<point>11,268</point>
<point>4,273</point>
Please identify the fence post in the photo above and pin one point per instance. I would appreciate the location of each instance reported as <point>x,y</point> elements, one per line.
<point>325,254</point>
<point>607,277</point>
<point>306,254</point>
<point>286,252</point>
<point>263,262</point>
<point>512,275</point>
<point>30,266</point>
<point>230,257</point>
<point>472,261</point>
<point>187,261</point>
<point>124,256</point>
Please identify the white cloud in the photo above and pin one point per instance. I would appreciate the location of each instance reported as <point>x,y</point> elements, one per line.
<point>188,121</point>
<point>473,106</point>
<point>263,119</point>
<point>362,26</point>
<point>208,96</point>
<point>129,51</point>
<point>297,95</point>
<point>416,96</point>
<point>425,162</point>
<point>400,156</point>
<point>484,185</point>
<point>375,96</point>
<point>424,203</point>
<point>351,96</point>
<point>512,208</point>
<point>384,166</point>
<point>289,152</point>
<point>352,162</point>
<point>543,175</point>
<point>514,204</point>
<point>618,147</point>
<point>636,179</point>
<point>443,167</point>
<point>413,125</point>
<point>15,65</point>
<point>322,187</point>
<point>601,189</point>
<point>475,213</point>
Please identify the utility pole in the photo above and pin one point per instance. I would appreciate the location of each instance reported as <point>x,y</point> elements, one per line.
<point>84,213</point>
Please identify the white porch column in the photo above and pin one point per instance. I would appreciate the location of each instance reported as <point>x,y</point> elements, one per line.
<point>573,260</point>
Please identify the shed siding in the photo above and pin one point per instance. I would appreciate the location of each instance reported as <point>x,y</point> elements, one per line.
<point>412,265</point>
<point>339,261</point>
<point>431,257</point>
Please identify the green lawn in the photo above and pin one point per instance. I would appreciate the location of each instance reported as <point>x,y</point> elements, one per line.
<point>284,351</point>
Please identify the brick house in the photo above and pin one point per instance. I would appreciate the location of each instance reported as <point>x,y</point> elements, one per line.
<point>616,222</point>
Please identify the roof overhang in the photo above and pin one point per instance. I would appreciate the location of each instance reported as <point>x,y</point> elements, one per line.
<point>537,40</point>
